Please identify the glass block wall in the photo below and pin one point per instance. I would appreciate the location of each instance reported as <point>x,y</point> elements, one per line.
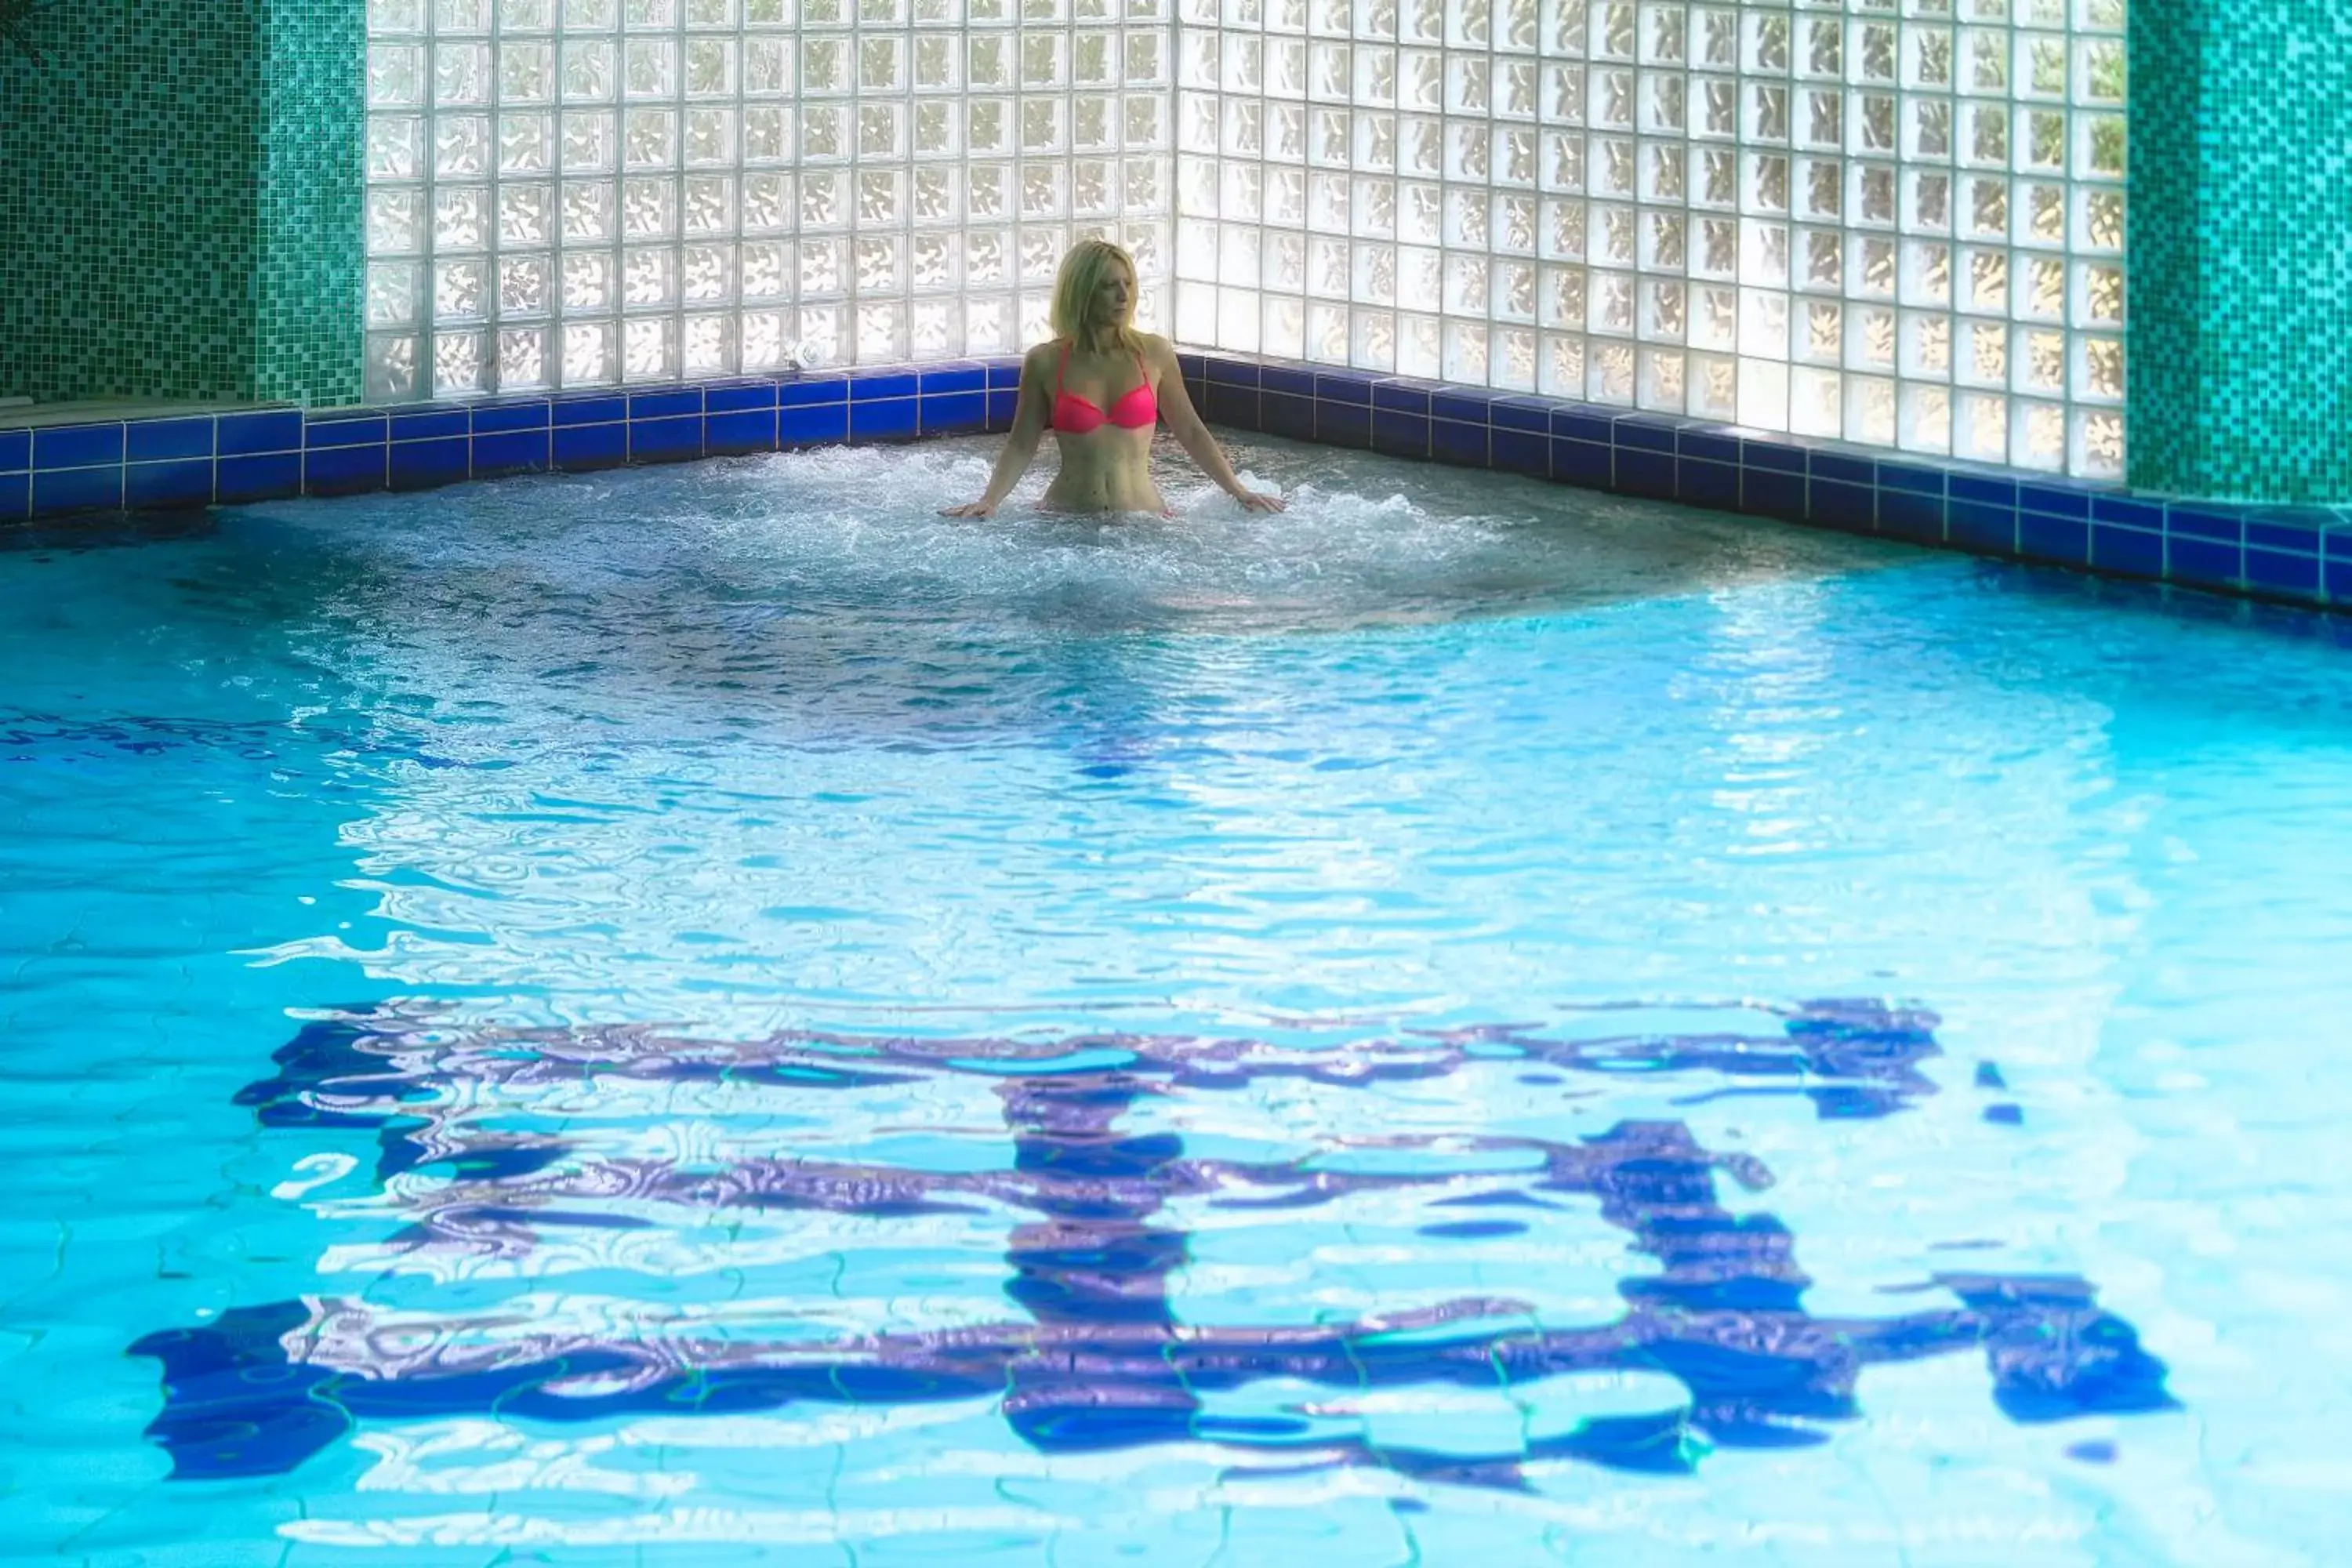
<point>570,193</point>
<point>1899,222</point>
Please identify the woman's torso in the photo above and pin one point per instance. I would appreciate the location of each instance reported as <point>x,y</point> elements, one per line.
<point>1109,467</point>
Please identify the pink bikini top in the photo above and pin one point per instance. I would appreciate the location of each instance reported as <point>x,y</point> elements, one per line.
<point>1136,410</point>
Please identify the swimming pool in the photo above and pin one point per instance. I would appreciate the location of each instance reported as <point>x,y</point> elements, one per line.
<point>700,1013</point>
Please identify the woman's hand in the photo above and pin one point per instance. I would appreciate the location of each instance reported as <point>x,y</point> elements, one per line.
<point>1256,501</point>
<point>969,509</point>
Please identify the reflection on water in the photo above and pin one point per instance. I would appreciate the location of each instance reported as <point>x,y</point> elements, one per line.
<point>1098,1360</point>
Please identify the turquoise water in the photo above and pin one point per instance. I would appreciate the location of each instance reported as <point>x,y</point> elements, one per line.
<point>710,1015</point>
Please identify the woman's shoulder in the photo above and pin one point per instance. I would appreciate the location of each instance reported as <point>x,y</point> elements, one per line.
<point>1155,347</point>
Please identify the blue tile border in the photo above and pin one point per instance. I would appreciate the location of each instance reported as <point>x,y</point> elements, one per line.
<point>2300,553</point>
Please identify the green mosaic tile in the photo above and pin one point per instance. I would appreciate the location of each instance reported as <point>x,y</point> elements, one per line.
<point>179,208</point>
<point>2242,214</point>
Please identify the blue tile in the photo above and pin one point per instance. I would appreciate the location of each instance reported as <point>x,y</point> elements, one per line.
<point>1633,433</point>
<point>2136,550</point>
<point>345,430</point>
<point>1234,405</point>
<point>1984,492</point>
<point>2286,529</point>
<point>269,430</point>
<point>876,386</point>
<point>2207,563</point>
<point>1522,452</point>
<point>1340,387</point>
<point>671,439</point>
<point>2283,571</point>
<point>599,408</point>
<point>1591,464</point>
<point>15,450</point>
<point>420,465</point>
<point>1910,480</point>
<point>1295,383</point>
<point>76,445</point>
<point>1401,397</point>
<point>1007,372</point>
<point>1644,472</point>
<point>1191,367</point>
<point>1582,424</point>
<point>2041,537</point>
<point>1345,424</point>
<point>2336,544</point>
<point>1701,483</point>
<point>2338,581</point>
<point>678,403</point>
<point>512,452</point>
<point>1710,446</point>
<point>1399,434</point>
<point>1452,441</point>
<point>1842,470</point>
<point>887,419</point>
<point>153,440</point>
<point>1285,414</point>
<point>265,476</point>
<point>1770,492</point>
<point>1981,525</point>
<point>1776,456</point>
<point>812,424</point>
<point>814,389</point>
<point>1521,414</point>
<point>954,378</point>
<point>345,470</point>
<point>1906,514</point>
<point>741,430</point>
<point>591,446</point>
<point>77,490</point>
<point>2053,500</point>
<point>946,411</point>
<point>15,497</point>
<point>415,425</point>
<point>742,397</point>
<point>498,418</point>
<point>1002,406</point>
<point>1835,504</point>
<point>2127,512</point>
<point>1232,372</point>
<point>2201,522</point>
<point>1463,407</point>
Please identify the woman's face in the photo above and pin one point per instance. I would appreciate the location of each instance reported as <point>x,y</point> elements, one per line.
<point>1114,296</point>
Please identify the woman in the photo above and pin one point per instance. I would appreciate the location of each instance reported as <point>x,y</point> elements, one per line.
<point>1100,384</point>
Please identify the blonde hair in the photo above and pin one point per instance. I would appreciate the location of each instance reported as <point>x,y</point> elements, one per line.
<point>1074,291</point>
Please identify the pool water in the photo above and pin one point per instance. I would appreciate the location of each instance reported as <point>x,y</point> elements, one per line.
<point>711,1015</point>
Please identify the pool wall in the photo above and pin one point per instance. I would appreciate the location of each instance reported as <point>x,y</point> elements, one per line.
<point>2300,554</point>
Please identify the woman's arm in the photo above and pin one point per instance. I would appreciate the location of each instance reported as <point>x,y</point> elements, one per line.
<point>1029,413</point>
<point>1185,424</point>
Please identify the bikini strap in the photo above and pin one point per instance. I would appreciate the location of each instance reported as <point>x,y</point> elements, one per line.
<point>1061,373</point>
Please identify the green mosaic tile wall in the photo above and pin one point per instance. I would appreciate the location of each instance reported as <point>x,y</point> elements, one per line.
<point>312,269</point>
<point>2241,339</point>
<point>179,201</point>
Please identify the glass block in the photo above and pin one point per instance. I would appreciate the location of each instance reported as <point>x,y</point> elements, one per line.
<point>591,357</point>
<point>522,358</point>
<point>591,211</point>
<point>526,144</point>
<point>649,349</point>
<point>767,340</point>
<point>395,147</point>
<point>461,290</point>
<point>588,282</point>
<point>707,345</point>
<point>461,217</point>
<point>392,293</point>
<point>459,364</point>
<point>526,216</point>
<point>649,276</point>
<point>525,285</point>
<point>461,146</point>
